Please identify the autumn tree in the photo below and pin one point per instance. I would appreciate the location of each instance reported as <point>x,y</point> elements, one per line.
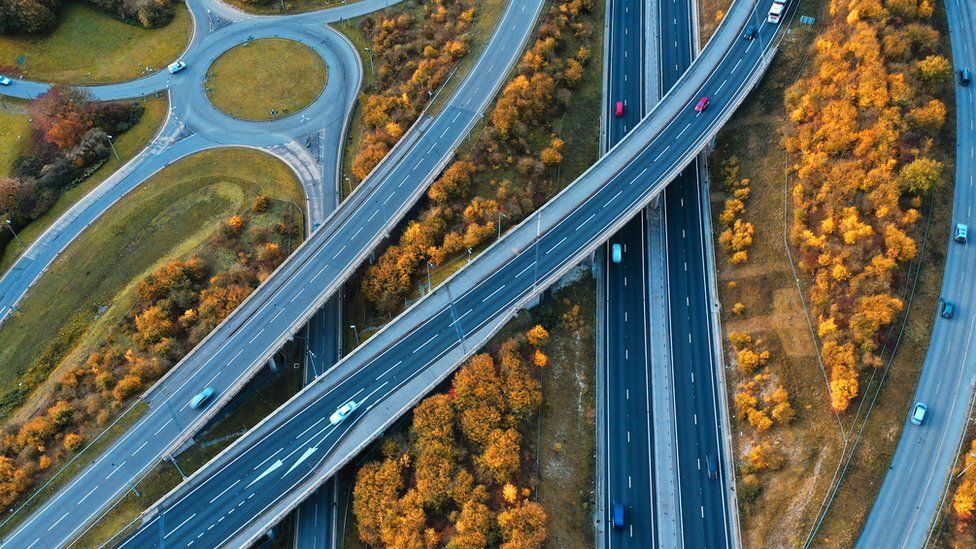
<point>920,175</point>
<point>453,183</point>
<point>376,492</point>
<point>523,526</point>
<point>502,455</point>
<point>934,69</point>
<point>62,115</point>
<point>537,336</point>
<point>473,529</point>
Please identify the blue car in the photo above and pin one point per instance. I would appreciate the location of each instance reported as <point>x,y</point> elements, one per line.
<point>948,308</point>
<point>618,514</point>
<point>202,398</point>
<point>918,413</point>
<point>616,253</point>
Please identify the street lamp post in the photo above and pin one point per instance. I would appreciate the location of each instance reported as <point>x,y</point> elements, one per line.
<point>500,215</point>
<point>311,360</point>
<point>356,332</point>
<point>11,227</point>
<point>429,286</point>
<point>111,144</point>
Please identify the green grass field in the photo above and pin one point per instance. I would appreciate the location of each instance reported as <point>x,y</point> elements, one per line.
<point>14,134</point>
<point>128,145</point>
<point>91,286</point>
<point>287,6</point>
<point>88,46</point>
<point>250,80</point>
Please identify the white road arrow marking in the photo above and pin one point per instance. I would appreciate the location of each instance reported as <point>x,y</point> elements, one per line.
<point>267,472</point>
<point>307,453</point>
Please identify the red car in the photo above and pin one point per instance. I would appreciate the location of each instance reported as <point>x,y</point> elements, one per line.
<point>702,103</point>
<point>618,111</point>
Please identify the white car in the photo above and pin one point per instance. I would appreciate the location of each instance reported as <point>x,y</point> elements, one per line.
<point>776,11</point>
<point>4,81</point>
<point>176,67</point>
<point>343,412</point>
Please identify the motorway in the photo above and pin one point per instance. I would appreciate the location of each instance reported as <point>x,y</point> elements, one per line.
<point>284,303</point>
<point>260,478</point>
<point>913,491</point>
<point>705,520</point>
<point>627,422</point>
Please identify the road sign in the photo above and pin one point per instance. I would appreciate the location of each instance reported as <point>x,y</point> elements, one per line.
<point>807,20</point>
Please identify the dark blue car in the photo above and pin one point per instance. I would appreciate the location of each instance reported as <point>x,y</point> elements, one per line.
<point>618,514</point>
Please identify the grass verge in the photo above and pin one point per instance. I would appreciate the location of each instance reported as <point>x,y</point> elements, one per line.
<point>88,46</point>
<point>567,420</point>
<point>128,145</point>
<point>784,512</point>
<point>91,286</point>
<point>710,14</point>
<point>273,74</point>
<point>14,132</point>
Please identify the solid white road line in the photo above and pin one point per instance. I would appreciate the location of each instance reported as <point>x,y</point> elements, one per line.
<point>225,491</point>
<point>500,288</point>
<point>180,525</point>
<point>432,338</point>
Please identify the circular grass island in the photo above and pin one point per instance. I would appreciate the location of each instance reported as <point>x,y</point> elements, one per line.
<point>266,79</point>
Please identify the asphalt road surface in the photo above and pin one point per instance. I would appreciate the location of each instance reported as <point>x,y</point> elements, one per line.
<point>315,519</point>
<point>266,473</point>
<point>704,517</point>
<point>628,473</point>
<point>913,489</point>
<point>244,342</point>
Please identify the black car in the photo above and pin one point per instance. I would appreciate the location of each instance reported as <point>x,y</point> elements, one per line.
<point>750,32</point>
